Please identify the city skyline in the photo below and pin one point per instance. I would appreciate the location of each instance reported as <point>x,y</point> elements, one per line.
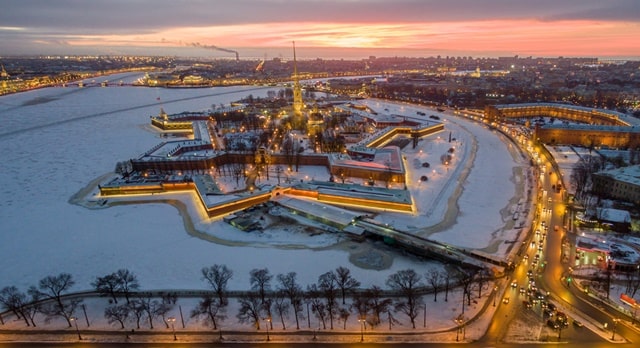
<point>325,29</point>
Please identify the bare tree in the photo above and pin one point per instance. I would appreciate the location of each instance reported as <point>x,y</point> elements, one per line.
<point>481,278</point>
<point>15,301</point>
<point>117,313</point>
<point>266,308</point>
<point>447,283</point>
<point>361,304</point>
<point>218,277</point>
<point>237,172</point>
<point>52,288</point>
<point>127,282</point>
<point>162,307</point>
<point>633,281</point>
<point>435,277</point>
<point>328,285</point>
<point>211,308</point>
<point>281,306</point>
<point>406,282</point>
<point>250,309</point>
<point>145,301</point>
<point>582,171</point>
<point>137,308</point>
<point>107,286</point>
<point>32,307</point>
<point>317,305</point>
<point>466,280</point>
<point>378,304</point>
<point>293,291</point>
<point>345,281</point>
<point>344,314</point>
<point>260,281</point>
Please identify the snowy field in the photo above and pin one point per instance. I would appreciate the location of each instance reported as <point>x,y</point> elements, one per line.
<point>57,140</point>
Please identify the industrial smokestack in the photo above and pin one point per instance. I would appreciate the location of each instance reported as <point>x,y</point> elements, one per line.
<point>215,48</point>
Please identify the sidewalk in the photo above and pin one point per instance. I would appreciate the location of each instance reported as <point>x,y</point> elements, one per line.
<point>434,329</point>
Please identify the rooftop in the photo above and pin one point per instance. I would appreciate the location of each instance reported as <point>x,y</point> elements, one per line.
<point>630,174</point>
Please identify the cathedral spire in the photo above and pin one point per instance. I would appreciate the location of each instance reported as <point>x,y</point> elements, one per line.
<point>297,89</point>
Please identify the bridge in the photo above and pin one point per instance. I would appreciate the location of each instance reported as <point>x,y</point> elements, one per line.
<point>94,83</point>
<point>428,248</point>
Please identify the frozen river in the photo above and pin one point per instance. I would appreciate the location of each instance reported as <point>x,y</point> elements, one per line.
<point>54,141</point>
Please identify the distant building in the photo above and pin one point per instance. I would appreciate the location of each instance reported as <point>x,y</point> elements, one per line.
<point>621,183</point>
<point>597,127</point>
<point>565,111</point>
<point>618,220</point>
<point>588,135</point>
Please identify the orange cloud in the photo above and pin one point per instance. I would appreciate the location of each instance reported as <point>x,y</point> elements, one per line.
<point>592,38</point>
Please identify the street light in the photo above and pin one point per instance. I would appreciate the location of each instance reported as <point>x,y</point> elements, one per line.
<point>172,320</point>
<point>495,289</point>
<point>268,320</point>
<point>75,321</point>
<point>361,321</point>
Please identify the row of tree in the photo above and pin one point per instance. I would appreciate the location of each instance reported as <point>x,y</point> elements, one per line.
<point>335,296</point>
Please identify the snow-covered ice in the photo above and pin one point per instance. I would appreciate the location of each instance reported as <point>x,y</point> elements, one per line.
<point>56,140</point>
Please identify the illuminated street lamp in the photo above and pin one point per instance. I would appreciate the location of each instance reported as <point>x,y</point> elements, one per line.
<point>268,320</point>
<point>75,321</point>
<point>361,321</point>
<point>172,320</point>
<point>615,324</point>
<point>495,290</point>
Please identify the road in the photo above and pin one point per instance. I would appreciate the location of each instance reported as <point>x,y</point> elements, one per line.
<point>550,275</point>
<point>295,345</point>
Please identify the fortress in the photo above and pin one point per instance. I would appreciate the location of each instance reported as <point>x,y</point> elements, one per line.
<point>594,128</point>
<point>155,170</point>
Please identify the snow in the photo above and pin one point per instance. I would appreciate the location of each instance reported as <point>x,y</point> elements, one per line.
<point>55,141</point>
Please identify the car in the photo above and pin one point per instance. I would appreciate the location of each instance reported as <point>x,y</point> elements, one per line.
<point>577,323</point>
<point>505,300</point>
<point>562,317</point>
<point>514,284</point>
<point>528,304</point>
<point>551,306</point>
<point>552,324</point>
<point>522,290</point>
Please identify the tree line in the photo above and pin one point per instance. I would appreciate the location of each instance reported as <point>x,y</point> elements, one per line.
<point>334,297</point>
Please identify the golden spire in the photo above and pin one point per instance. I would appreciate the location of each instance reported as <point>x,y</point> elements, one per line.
<point>297,89</point>
<point>3,73</point>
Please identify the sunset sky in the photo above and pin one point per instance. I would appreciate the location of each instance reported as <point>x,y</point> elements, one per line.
<point>322,28</point>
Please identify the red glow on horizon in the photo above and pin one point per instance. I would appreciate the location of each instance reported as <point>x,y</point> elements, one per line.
<point>524,37</point>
